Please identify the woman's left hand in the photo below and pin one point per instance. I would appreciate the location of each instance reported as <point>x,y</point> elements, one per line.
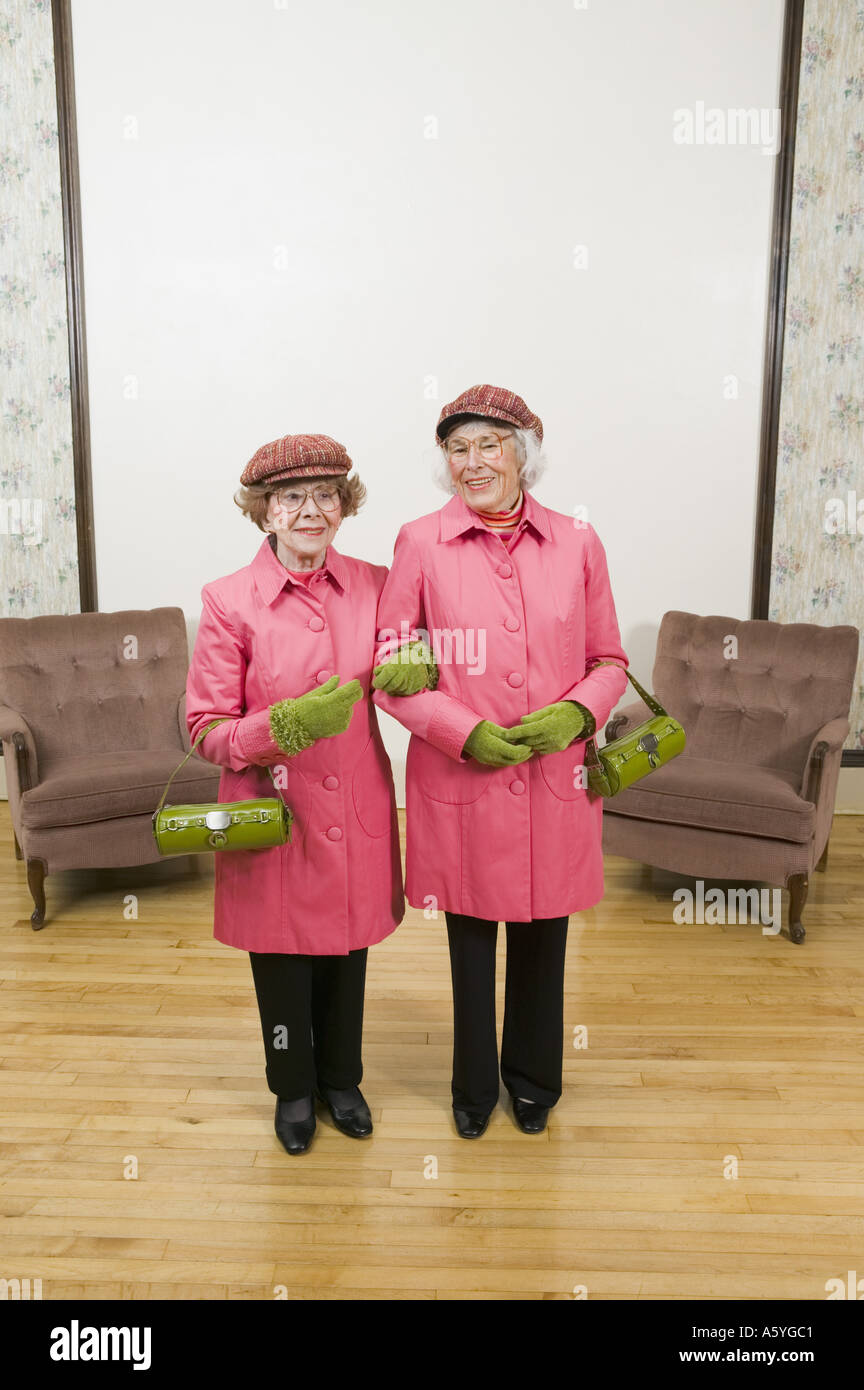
<point>411,669</point>
<point>550,729</point>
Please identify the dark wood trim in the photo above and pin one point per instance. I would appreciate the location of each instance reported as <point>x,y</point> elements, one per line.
<point>815,769</point>
<point>793,26</point>
<point>22,762</point>
<point>773,363</point>
<point>69,187</point>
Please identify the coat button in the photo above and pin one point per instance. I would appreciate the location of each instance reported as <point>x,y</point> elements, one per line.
<point>512,624</point>
<point>331,783</point>
<point>505,571</point>
<point>316,624</point>
<point>515,679</point>
<point>322,676</point>
<point>517,788</point>
<point>334,833</point>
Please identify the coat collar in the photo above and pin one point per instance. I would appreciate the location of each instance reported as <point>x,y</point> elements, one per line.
<point>271,575</point>
<point>457,517</point>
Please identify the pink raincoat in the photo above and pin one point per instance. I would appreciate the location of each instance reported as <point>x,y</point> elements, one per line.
<point>513,629</point>
<point>337,886</point>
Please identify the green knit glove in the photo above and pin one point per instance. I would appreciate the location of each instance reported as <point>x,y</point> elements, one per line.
<point>552,728</point>
<point>320,713</point>
<point>411,668</point>
<point>487,743</point>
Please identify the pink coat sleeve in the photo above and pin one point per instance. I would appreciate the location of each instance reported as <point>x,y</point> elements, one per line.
<point>215,688</point>
<point>600,689</point>
<point>440,719</point>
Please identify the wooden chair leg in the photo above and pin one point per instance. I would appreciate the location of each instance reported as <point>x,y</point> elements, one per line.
<point>823,862</point>
<point>18,854</point>
<point>36,883</point>
<point>798,886</point>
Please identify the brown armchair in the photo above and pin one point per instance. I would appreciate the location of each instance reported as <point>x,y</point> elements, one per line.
<point>92,722</point>
<point>752,795</point>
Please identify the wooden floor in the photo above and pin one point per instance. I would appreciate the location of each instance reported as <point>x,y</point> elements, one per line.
<point>136,1041</point>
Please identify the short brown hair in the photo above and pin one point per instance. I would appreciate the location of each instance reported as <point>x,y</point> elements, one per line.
<point>254,500</point>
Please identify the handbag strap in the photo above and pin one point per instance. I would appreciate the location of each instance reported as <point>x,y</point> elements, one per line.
<point>203,734</point>
<point>652,703</point>
<point>592,758</point>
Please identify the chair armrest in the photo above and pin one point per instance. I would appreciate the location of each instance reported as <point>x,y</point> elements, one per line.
<point>820,777</point>
<point>19,756</point>
<point>630,717</point>
<point>11,722</point>
<point>185,741</point>
<point>829,739</point>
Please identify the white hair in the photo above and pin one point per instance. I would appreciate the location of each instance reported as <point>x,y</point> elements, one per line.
<point>531,462</point>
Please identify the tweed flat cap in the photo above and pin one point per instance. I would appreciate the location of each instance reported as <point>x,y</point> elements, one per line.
<point>296,456</point>
<point>494,402</point>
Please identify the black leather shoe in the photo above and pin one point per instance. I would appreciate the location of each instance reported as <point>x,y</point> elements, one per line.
<point>530,1117</point>
<point>353,1120</point>
<point>471,1123</point>
<point>296,1135</point>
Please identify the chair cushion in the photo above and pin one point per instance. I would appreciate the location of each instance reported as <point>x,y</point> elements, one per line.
<point>716,795</point>
<point>106,786</point>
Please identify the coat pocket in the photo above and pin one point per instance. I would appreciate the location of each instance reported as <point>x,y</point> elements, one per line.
<point>564,772</point>
<point>440,778</point>
<point>372,790</point>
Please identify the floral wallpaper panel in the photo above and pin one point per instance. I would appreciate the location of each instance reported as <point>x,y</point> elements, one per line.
<point>817,570</point>
<point>38,539</point>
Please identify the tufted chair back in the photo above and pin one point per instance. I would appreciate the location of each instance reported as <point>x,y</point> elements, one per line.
<point>96,681</point>
<point>753,691</point>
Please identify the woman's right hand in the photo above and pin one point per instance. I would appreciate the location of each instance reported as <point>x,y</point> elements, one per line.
<point>321,713</point>
<point>487,744</point>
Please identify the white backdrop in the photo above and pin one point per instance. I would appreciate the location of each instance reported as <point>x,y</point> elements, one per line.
<point>336,216</point>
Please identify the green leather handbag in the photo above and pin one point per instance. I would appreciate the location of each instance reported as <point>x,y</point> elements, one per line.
<point>621,763</point>
<point>222,825</point>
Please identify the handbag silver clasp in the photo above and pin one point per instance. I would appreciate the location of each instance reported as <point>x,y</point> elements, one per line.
<point>217,820</point>
<point>648,744</point>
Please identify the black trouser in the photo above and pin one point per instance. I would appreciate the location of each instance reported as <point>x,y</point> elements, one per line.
<point>533,1038</point>
<point>311,1011</point>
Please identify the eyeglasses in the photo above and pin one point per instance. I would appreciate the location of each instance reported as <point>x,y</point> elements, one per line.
<point>489,447</point>
<point>292,498</point>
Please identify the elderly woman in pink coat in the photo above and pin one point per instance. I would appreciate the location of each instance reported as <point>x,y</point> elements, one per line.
<point>515,602</point>
<point>284,654</point>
